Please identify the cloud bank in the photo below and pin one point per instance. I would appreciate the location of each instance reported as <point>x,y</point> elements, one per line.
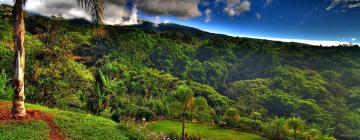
<point>125,12</point>
<point>116,11</point>
<point>178,8</point>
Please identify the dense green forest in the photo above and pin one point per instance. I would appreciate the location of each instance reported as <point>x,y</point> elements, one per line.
<point>275,89</point>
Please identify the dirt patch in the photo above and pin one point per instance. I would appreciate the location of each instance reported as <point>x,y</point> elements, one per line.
<point>5,111</point>
<point>5,115</point>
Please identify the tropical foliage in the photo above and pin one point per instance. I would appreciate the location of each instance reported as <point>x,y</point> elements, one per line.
<point>278,90</point>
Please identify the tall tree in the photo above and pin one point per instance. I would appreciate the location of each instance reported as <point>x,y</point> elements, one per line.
<point>186,97</point>
<point>93,7</point>
<point>18,109</point>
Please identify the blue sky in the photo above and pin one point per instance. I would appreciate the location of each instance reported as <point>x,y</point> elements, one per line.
<point>327,22</point>
<point>283,19</point>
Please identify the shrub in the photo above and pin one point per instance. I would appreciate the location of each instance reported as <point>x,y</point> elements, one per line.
<point>275,128</point>
<point>5,89</point>
<point>252,125</point>
<point>145,113</point>
<point>231,117</point>
<point>131,133</point>
<point>173,135</point>
<point>193,137</point>
<point>222,124</point>
<point>116,116</point>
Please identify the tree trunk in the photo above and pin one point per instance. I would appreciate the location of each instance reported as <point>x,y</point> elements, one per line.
<point>18,109</point>
<point>191,116</point>
<point>183,126</point>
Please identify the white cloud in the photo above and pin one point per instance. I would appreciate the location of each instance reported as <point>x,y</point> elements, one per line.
<point>207,15</point>
<point>333,4</point>
<point>178,8</point>
<point>258,16</point>
<point>133,17</point>
<point>116,12</point>
<point>157,21</point>
<point>166,21</point>
<point>268,3</point>
<point>6,1</point>
<point>237,7</point>
<point>354,5</point>
<point>353,39</point>
<point>68,9</point>
<point>344,4</point>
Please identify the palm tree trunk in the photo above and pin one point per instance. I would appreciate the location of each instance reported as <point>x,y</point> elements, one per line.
<point>183,126</point>
<point>191,117</point>
<point>18,109</point>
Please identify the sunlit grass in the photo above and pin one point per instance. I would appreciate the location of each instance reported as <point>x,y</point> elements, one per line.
<point>205,131</point>
<point>32,130</point>
<point>74,126</point>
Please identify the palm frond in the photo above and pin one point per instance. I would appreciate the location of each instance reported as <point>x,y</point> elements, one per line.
<point>22,1</point>
<point>95,8</point>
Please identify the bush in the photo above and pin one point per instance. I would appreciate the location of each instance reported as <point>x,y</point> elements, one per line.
<point>173,135</point>
<point>193,137</point>
<point>145,113</point>
<point>116,116</point>
<point>252,125</point>
<point>203,117</point>
<point>275,128</point>
<point>5,89</point>
<point>64,84</point>
<point>230,122</point>
<point>232,117</point>
<point>222,124</point>
<point>130,132</point>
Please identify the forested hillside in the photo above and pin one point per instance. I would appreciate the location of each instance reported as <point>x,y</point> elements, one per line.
<point>275,89</point>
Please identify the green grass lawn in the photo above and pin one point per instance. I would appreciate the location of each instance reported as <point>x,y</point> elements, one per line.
<point>81,126</point>
<point>84,126</point>
<point>32,130</point>
<point>206,132</point>
<point>76,126</point>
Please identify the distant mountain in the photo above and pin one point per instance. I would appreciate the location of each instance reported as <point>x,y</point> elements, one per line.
<point>169,28</point>
<point>176,28</point>
<point>78,21</point>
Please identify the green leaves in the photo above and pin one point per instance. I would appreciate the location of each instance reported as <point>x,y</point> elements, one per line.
<point>5,89</point>
<point>185,95</point>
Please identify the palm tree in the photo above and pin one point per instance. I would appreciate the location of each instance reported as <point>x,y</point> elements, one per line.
<point>186,98</point>
<point>95,8</point>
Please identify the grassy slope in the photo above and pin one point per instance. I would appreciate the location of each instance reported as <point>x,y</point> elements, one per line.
<point>89,127</point>
<point>74,126</point>
<point>206,132</point>
<point>33,130</point>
